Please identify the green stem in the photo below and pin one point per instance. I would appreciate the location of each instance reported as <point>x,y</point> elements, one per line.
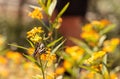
<point>104,69</point>
<point>56,34</point>
<point>45,66</point>
<point>44,25</point>
<point>42,69</point>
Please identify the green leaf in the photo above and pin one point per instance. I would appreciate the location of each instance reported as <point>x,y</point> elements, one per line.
<point>31,43</point>
<point>107,29</point>
<point>18,46</point>
<point>48,3</point>
<point>51,7</point>
<point>3,51</point>
<point>63,10</point>
<point>82,44</point>
<point>55,22</point>
<point>54,42</point>
<point>57,47</point>
<point>104,68</point>
<point>44,25</point>
<point>101,40</point>
<point>41,3</point>
<point>87,68</point>
<point>83,59</point>
<point>65,56</point>
<point>32,6</point>
<point>30,58</point>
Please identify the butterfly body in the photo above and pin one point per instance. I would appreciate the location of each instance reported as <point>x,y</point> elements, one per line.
<point>39,49</point>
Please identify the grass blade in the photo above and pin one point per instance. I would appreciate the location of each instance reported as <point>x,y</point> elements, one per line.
<point>18,46</point>
<point>57,47</point>
<point>54,42</point>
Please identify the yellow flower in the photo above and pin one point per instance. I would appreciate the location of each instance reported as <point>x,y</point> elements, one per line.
<point>87,28</point>
<point>44,57</point>
<point>60,20</point>
<point>33,34</point>
<point>50,76</point>
<point>14,56</point>
<point>110,45</point>
<point>3,60</point>
<point>97,67</point>
<point>59,71</point>
<point>90,75</point>
<point>75,52</point>
<point>4,73</point>
<point>100,24</point>
<point>113,76</point>
<point>105,22</point>
<point>57,23</point>
<point>97,24</point>
<point>34,31</point>
<point>95,56</point>
<point>67,64</point>
<point>91,36</point>
<point>48,57</point>
<point>36,39</point>
<point>27,65</point>
<point>30,51</point>
<point>36,13</point>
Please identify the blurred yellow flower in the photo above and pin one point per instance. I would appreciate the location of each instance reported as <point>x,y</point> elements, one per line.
<point>90,32</point>
<point>36,39</point>
<point>14,56</point>
<point>58,24</point>
<point>95,56</point>
<point>4,73</point>
<point>44,57</point>
<point>97,67</point>
<point>34,31</point>
<point>67,64</point>
<point>59,71</point>
<point>33,34</point>
<point>3,60</point>
<point>27,65</point>
<point>90,75</point>
<point>87,28</point>
<point>105,22</point>
<point>113,76</point>
<point>100,24</point>
<point>36,13</point>
<point>47,76</point>
<point>75,52</point>
<point>30,51</point>
<point>91,36</point>
<point>60,20</point>
<point>50,75</point>
<point>48,57</point>
<point>110,45</point>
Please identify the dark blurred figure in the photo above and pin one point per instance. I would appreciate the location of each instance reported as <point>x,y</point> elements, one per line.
<point>72,18</point>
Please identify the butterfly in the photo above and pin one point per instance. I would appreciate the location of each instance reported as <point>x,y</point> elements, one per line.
<point>39,49</point>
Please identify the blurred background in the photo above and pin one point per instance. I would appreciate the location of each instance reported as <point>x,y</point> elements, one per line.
<point>14,20</point>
